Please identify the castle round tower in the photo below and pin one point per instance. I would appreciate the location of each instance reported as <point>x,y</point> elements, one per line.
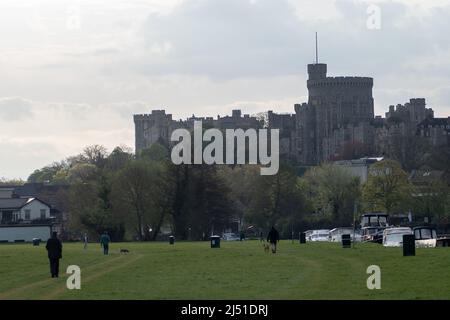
<point>338,103</point>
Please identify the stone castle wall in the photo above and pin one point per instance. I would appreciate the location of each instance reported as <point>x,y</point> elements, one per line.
<point>339,112</point>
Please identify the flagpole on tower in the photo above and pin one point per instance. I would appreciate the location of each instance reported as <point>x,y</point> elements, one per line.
<point>317,51</point>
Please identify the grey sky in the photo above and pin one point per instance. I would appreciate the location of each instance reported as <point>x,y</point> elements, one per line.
<point>72,73</point>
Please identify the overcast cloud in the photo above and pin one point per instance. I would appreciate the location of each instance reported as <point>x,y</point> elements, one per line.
<point>73,73</point>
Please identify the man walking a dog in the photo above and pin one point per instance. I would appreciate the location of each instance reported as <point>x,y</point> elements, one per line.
<point>273,237</point>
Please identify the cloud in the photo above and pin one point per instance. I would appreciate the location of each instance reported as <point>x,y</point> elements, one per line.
<point>15,109</point>
<point>224,40</point>
<point>236,38</point>
<point>67,88</point>
<point>17,163</point>
<point>59,130</point>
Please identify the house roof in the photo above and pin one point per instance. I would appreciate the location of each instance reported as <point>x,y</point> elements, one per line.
<point>17,203</point>
<point>12,203</point>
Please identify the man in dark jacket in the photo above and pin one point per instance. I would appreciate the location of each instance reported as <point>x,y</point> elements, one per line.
<point>273,237</point>
<point>104,242</point>
<point>54,248</point>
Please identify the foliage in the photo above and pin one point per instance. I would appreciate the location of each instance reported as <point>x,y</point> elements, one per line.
<point>387,188</point>
<point>334,193</point>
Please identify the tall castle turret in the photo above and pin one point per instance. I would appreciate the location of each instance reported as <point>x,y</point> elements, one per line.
<point>338,103</point>
<point>334,103</point>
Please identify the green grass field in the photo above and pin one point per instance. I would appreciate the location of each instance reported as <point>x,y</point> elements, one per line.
<point>238,270</point>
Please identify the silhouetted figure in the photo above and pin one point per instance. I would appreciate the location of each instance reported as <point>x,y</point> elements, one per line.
<point>85,240</point>
<point>104,242</point>
<point>261,237</point>
<point>273,237</point>
<point>54,248</point>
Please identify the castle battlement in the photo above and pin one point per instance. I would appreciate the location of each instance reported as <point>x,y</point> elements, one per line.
<point>156,114</point>
<point>339,113</point>
<point>341,81</point>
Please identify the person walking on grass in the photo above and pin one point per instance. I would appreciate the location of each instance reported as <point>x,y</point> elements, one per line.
<point>273,237</point>
<point>104,242</point>
<point>85,241</point>
<point>54,249</point>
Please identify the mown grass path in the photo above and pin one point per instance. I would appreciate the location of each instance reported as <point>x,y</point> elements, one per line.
<point>238,270</point>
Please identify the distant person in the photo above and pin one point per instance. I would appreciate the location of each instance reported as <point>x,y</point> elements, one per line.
<point>261,237</point>
<point>54,248</point>
<point>104,242</point>
<point>273,237</point>
<point>85,241</point>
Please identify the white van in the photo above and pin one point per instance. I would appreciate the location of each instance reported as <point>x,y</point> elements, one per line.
<point>393,237</point>
<point>320,235</point>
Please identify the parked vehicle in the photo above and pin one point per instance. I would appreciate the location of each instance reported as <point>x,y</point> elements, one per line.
<point>308,234</point>
<point>374,220</point>
<point>336,234</point>
<point>427,237</point>
<point>231,237</point>
<point>393,237</point>
<point>372,234</point>
<point>320,235</point>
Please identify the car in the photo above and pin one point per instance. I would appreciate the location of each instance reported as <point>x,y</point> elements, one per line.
<point>229,236</point>
<point>393,237</point>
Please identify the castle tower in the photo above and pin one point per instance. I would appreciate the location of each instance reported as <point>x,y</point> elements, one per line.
<point>317,71</point>
<point>338,102</point>
<point>152,128</point>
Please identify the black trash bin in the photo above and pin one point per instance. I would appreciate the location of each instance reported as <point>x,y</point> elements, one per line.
<point>215,241</point>
<point>346,241</point>
<point>36,241</point>
<point>171,240</point>
<point>302,237</point>
<point>409,245</point>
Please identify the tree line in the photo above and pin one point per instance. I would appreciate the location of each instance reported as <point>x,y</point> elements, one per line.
<point>136,197</point>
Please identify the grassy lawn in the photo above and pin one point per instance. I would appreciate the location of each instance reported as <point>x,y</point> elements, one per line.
<point>238,270</point>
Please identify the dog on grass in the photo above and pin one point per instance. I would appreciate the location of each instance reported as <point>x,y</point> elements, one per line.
<point>266,247</point>
<point>124,251</point>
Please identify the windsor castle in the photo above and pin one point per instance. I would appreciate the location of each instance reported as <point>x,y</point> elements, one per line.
<point>337,122</point>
